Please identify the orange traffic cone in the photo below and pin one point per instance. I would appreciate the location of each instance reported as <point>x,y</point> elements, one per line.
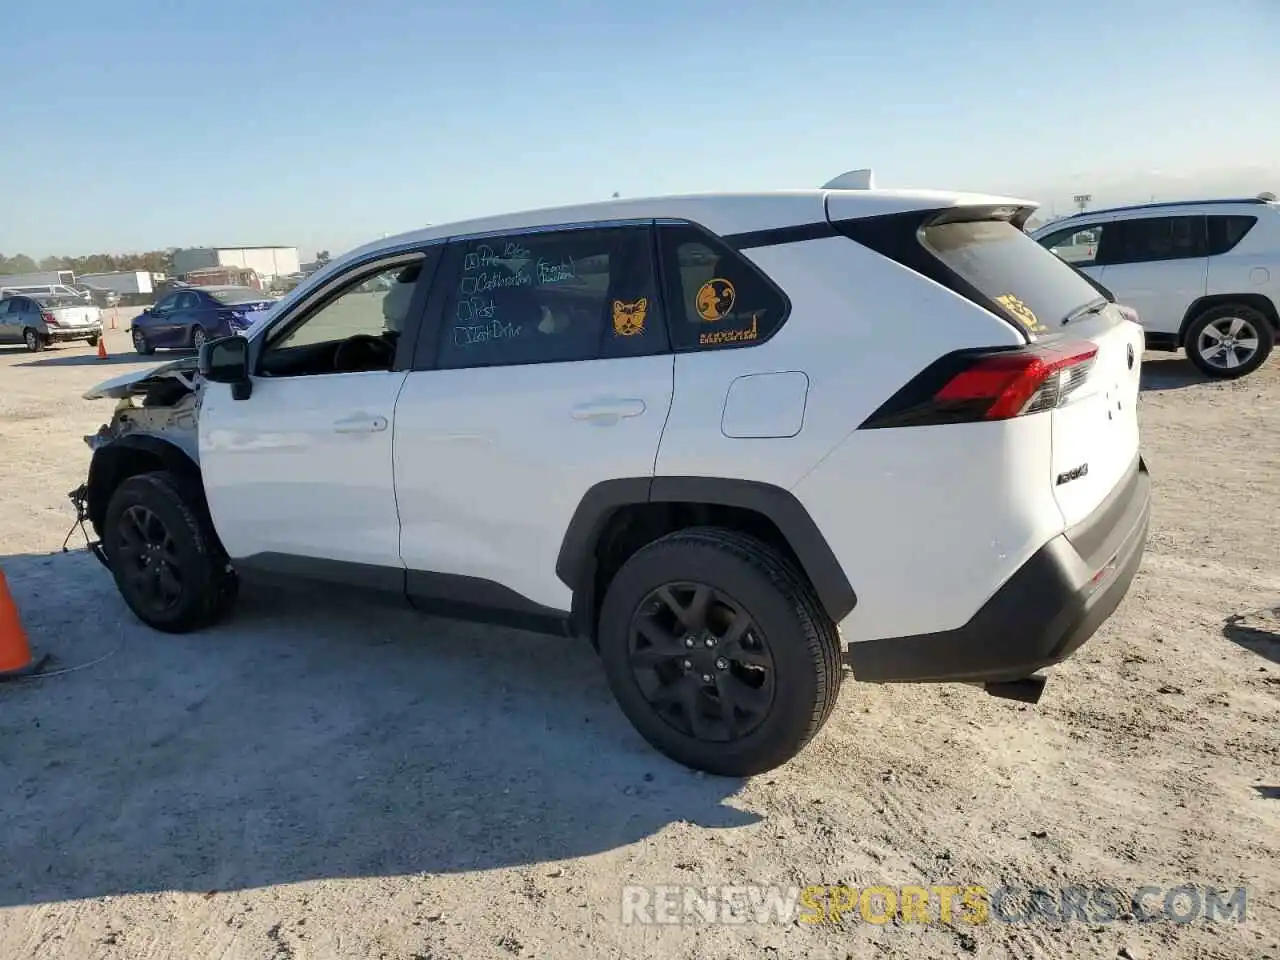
<point>15,652</point>
<point>102,348</point>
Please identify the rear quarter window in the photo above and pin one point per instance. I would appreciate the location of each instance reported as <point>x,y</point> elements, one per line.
<point>1032,287</point>
<point>718,300</point>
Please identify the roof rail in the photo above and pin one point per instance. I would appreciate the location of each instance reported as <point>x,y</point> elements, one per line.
<point>863,179</point>
<point>1261,198</point>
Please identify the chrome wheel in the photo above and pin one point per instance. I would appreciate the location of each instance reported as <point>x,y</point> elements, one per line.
<point>32,340</point>
<point>198,338</point>
<point>139,340</point>
<point>1227,343</point>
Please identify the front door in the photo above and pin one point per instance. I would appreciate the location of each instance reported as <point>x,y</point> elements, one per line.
<point>10,321</point>
<point>544,369</point>
<point>299,474</point>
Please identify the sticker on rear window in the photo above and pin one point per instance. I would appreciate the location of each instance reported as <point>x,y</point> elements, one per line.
<point>1021,312</point>
<point>715,300</point>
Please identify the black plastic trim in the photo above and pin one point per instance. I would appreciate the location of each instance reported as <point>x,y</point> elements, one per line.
<point>110,465</point>
<point>775,236</point>
<point>1041,615</point>
<point>575,565</point>
<point>447,595</point>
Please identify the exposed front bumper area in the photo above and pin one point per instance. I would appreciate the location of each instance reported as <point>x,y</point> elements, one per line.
<point>1043,613</point>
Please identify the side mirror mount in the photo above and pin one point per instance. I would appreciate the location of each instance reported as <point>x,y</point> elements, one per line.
<point>226,360</point>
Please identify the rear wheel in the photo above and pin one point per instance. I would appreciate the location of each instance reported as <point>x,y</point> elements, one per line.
<point>198,337</point>
<point>140,342</point>
<point>718,651</point>
<point>33,340</point>
<point>1229,341</point>
<point>92,341</point>
<point>166,560</point>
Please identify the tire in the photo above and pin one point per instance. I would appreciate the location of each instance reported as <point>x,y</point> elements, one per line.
<point>198,337</point>
<point>140,342</point>
<point>788,628</point>
<point>92,341</point>
<point>1234,323</point>
<point>191,577</point>
<point>33,340</point>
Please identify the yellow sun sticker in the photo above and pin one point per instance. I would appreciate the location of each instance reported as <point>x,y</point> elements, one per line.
<point>715,300</point>
<point>1021,312</point>
<point>628,316</point>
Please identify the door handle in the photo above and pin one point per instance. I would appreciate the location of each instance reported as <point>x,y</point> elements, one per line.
<point>609,410</point>
<point>360,423</point>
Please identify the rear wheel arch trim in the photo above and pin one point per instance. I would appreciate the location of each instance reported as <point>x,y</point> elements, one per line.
<point>1257,301</point>
<point>575,565</point>
<point>109,467</point>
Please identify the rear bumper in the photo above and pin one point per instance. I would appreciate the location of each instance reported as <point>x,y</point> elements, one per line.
<point>1043,613</point>
<point>60,334</point>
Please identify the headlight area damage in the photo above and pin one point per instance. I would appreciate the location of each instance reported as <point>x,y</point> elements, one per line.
<point>154,426</point>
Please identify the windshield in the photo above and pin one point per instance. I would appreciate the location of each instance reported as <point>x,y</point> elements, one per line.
<point>1034,288</point>
<point>238,295</point>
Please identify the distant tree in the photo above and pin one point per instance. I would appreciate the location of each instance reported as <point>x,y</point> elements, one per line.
<point>52,263</point>
<point>322,257</point>
<point>18,264</point>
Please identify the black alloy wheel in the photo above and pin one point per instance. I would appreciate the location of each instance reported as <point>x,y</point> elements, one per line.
<point>149,561</point>
<point>701,662</point>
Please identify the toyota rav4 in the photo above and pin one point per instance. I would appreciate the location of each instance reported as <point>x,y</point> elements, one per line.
<point>735,441</point>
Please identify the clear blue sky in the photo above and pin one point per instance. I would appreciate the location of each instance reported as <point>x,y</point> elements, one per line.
<point>140,124</point>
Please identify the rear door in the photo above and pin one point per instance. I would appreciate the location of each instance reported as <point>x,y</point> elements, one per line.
<point>544,369</point>
<point>1095,428</point>
<point>1157,265</point>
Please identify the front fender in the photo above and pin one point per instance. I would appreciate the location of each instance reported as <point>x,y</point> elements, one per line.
<point>115,462</point>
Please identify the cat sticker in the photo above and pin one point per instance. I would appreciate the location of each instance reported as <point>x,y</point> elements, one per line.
<point>1021,312</point>
<point>628,317</point>
<point>715,300</point>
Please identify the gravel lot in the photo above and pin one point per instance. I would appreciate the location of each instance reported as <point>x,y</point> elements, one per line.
<point>316,780</point>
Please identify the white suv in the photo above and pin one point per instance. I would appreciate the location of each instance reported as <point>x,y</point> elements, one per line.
<point>1202,275</point>
<point>712,434</point>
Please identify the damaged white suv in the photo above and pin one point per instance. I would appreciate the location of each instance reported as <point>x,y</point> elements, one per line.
<point>734,440</point>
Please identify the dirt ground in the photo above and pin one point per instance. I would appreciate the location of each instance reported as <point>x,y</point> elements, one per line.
<point>316,780</point>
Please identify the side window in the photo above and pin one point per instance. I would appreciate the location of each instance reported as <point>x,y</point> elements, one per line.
<point>186,301</point>
<point>1149,239</point>
<point>164,304</point>
<point>356,327</point>
<point>1076,245</point>
<point>1226,231</point>
<point>551,297</point>
<point>717,299</point>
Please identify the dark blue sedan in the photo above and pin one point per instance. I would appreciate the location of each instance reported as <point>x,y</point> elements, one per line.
<point>186,318</point>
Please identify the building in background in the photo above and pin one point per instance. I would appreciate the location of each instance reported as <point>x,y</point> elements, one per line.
<point>266,262</point>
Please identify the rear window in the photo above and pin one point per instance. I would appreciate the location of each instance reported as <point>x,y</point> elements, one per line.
<point>54,302</point>
<point>1036,290</point>
<point>232,297</point>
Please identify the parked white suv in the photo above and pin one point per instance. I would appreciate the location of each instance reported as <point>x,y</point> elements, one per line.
<point>1202,275</point>
<point>709,433</point>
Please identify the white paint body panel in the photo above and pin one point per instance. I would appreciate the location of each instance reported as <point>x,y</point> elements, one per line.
<point>491,463</point>
<point>303,467</point>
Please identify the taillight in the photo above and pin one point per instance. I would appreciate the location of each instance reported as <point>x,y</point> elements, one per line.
<point>975,385</point>
<point>48,318</point>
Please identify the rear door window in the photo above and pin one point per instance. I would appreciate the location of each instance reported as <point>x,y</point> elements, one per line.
<point>1150,239</point>
<point>1032,287</point>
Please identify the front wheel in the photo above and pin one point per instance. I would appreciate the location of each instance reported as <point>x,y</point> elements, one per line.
<point>164,555</point>
<point>140,343</point>
<point>718,651</point>
<point>33,340</point>
<point>1229,341</point>
<point>198,338</point>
